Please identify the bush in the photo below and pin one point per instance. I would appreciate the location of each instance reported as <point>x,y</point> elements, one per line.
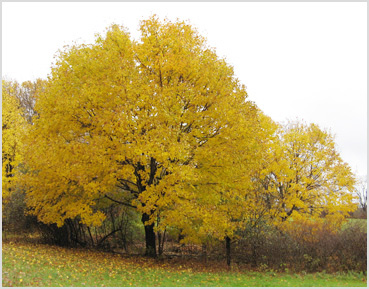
<point>14,219</point>
<point>299,250</point>
<point>122,227</point>
<point>119,230</point>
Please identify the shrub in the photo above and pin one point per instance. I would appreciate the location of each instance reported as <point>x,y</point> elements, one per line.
<point>309,248</point>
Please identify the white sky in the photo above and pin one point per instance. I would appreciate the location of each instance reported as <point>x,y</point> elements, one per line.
<point>303,60</point>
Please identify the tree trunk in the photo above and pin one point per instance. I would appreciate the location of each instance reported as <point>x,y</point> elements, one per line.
<point>149,237</point>
<point>228,250</point>
<point>91,238</point>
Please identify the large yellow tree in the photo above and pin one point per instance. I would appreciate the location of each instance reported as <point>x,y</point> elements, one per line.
<point>159,124</point>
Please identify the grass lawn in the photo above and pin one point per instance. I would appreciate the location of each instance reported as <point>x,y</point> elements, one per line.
<point>27,264</point>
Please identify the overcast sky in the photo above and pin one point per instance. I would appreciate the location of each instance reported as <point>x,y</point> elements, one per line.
<point>297,60</point>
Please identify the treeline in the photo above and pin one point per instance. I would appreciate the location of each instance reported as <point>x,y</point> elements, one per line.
<point>157,135</point>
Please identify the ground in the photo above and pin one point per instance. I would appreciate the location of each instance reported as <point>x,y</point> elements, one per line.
<point>33,264</point>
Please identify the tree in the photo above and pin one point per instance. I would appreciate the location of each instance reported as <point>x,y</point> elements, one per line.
<point>305,178</point>
<point>13,126</point>
<point>142,124</point>
<point>17,111</point>
<point>225,198</point>
<point>27,94</point>
<point>361,191</point>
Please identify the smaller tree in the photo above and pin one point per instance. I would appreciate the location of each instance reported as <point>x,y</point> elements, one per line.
<point>224,199</point>
<point>27,93</point>
<point>305,178</point>
<point>13,125</point>
<point>18,102</point>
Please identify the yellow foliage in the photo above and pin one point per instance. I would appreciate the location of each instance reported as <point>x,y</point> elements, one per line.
<point>161,124</point>
<point>305,178</point>
<point>13,127</point>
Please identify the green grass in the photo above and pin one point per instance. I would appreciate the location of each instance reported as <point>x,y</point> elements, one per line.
<point>26,264</point>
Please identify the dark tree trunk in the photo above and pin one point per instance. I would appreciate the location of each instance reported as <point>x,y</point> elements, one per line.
<point>228,250</point>
<point>91,238</point>
<point>161,241</point>
<point>149,237</point>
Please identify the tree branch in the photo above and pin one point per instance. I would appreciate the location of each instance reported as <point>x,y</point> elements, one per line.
<point>120,202</point>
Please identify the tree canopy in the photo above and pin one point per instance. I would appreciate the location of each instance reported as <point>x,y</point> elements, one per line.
<point>305,177</point>
<point>13,128</point>
<point>154,124</point>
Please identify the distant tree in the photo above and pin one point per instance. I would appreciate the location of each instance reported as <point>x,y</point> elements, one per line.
<point>27,94</point>
<point>361,191</point>
<point>13,127</point>
<point>17,112</point>
<point>305,176</point>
